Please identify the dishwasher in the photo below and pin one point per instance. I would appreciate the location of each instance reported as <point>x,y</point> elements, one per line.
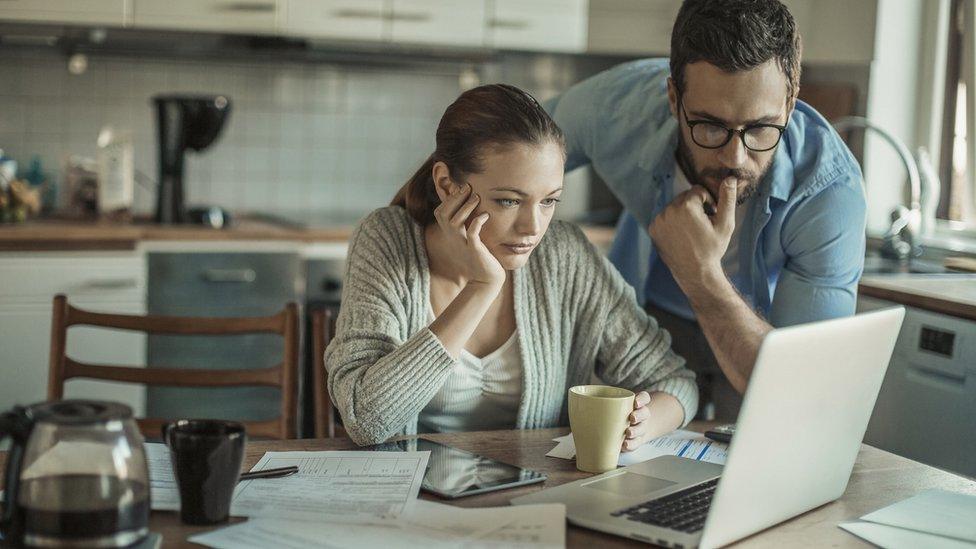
<point>225,284</point>
<point>926,409</point>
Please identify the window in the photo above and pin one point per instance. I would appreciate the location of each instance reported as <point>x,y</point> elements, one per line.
<point>958,201</point>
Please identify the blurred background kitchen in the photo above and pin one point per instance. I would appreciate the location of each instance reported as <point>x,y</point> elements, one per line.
<point>329,105</point>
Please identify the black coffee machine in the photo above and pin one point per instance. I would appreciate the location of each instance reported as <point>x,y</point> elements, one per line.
<point>185,122</point>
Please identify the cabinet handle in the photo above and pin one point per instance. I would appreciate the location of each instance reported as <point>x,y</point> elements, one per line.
<point>249,7</point>
<point>230,275</point>
<point>111,284</point>
<point>508,24</point>
<point>411,17</point>
<point>357,14</point>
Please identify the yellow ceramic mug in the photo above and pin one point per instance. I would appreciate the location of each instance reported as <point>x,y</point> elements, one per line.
<point>598,417</point>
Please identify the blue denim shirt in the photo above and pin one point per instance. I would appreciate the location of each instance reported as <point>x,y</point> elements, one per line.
<point>802,247</point>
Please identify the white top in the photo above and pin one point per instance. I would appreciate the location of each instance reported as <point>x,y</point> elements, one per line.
<point>479,394</point>
<point>730,261</point>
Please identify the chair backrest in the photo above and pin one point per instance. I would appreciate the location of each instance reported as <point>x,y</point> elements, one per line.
<point>323,328</point>
<point>283,375</point>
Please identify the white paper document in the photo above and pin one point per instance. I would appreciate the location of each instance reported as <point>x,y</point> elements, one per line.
<point>934,518</point>
<point>336,486</point>
<point>679,443</point>
<point>890,537</point>
<point>426,525</point>
<point>164,495</point>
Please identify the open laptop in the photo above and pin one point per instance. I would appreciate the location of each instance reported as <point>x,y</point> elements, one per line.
<point>799,431</point>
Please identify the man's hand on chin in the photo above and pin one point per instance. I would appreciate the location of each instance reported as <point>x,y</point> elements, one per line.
<point>690,242</point>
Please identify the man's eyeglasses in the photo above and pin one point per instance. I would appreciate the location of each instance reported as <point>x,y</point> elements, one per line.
<point>712,135</point>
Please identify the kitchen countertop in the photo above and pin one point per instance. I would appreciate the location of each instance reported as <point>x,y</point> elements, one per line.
<point>58,235</point>
<point>952,294</point>
<point>62,235</point>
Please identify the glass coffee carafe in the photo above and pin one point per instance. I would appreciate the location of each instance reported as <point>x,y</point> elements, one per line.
<point>76,476</point>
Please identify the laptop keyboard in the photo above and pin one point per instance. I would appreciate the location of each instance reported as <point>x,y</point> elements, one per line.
<point>684,510</point>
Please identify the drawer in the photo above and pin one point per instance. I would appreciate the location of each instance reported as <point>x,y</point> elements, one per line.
<point>92,277</point>
<point>550,25</point>
<point>76,12</point>
<point>222,284</point>
<point>439,22</point>
<point>340,19</point>
<point>246,16</point>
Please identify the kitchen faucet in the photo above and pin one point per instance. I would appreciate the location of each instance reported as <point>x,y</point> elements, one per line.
<point>901,239</point>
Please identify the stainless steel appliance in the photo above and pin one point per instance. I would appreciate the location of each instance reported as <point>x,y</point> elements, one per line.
<point>224,284</point>
<point>323,276</point>
<point>926,410</point>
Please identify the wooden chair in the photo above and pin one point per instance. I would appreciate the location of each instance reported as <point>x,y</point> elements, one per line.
<point>323,328</point>
<point>283,375</point>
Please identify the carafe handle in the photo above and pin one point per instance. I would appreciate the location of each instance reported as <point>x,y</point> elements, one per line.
<point>15,424</point>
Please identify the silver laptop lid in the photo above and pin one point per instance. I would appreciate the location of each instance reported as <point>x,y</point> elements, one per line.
<point>802,421</point>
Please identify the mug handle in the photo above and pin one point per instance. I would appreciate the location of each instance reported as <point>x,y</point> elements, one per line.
<point>164,430</point>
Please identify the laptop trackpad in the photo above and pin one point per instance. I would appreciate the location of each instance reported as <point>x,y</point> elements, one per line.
<point>630,484</point>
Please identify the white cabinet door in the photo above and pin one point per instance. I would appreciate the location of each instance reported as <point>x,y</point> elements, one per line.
<point>104,282</point>
<point>67,12</point>
<point>836,31</point>
<point>244,16</point>
<point>439,22</point>
<point>641,27</point>
<point>543,25</point>
<point>340,19</point>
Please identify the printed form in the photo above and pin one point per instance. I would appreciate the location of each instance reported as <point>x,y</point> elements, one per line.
<point>329,485</point>
<point>680,443</point>
<point>337,485</point>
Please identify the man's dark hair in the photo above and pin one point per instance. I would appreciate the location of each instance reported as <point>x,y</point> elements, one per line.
<point>736,35</point>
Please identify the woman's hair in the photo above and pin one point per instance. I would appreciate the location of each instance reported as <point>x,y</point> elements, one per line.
<point>496,115</point>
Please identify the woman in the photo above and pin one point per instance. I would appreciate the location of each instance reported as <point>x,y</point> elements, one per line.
<point>464,308</point>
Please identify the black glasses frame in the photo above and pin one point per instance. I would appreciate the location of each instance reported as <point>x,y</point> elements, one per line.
<point>730,131</point>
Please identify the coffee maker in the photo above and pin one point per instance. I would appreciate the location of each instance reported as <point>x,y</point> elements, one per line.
<point>185,122</point>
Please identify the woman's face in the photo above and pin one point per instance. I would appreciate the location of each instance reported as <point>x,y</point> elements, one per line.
<point>519,187</point>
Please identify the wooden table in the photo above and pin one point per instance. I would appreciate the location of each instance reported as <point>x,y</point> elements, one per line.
<point>879,479</point>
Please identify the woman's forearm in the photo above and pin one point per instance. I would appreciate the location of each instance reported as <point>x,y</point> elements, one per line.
<point>458,321</point>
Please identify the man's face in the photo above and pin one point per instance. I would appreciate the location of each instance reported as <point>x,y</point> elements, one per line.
<point>735,100</point>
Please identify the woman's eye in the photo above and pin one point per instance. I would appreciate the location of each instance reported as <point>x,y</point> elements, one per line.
<point>550,202</point>
<point>507,202</point>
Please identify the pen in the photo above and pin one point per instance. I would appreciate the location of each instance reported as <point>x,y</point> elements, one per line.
<point>270,473</point>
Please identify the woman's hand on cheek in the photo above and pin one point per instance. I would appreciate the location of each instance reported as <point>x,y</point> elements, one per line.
<point>638,432</point>
<point>471,257</point>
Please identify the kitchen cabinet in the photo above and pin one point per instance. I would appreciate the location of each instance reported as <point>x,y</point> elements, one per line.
<point>99,281</point>
<point>544,25</point>
<point>237,16</point>
<point>833,31</point>
<point>68,12</point>
<point>631,27</point>
<point>339,19</point>
<point>438,22</point>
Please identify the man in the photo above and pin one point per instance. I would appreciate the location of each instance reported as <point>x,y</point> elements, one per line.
<point>744,209</point>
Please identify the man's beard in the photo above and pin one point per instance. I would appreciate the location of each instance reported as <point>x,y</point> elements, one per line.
<point>696,177</point>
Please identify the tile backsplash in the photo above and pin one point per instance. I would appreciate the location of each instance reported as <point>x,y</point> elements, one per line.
<point>301,138</point>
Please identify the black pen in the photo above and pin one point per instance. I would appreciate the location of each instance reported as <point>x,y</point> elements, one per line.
<point>270,473</point>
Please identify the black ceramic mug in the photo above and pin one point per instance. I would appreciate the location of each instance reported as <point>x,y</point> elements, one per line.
<point>207,457</point>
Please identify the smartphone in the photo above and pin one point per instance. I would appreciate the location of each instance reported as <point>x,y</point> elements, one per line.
<point>454,473</point>
<point>722,433</point>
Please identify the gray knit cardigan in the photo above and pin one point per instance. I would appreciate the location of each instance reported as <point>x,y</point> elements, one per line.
<point>575,316</point>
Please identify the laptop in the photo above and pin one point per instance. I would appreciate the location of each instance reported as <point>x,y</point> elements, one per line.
<point>799,431</point>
